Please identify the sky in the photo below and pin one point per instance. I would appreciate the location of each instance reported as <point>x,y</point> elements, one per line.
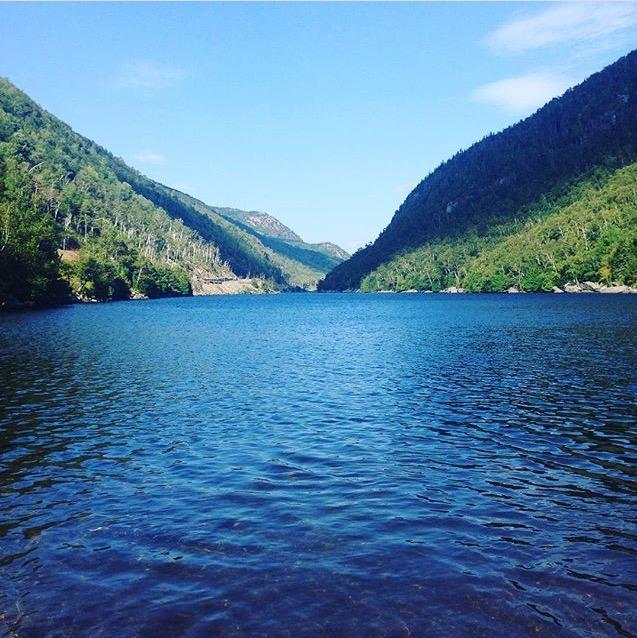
<point>325,115</point>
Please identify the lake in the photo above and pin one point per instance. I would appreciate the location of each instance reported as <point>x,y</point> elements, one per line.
<point>327,464</point>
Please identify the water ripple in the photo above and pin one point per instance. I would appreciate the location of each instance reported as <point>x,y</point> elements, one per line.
<point>320,465</point>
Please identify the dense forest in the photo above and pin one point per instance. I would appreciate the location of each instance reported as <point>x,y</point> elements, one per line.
<point>535,206</point>
<point>78,223</point>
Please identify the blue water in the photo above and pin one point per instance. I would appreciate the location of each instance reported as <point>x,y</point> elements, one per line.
<point>320,465</point>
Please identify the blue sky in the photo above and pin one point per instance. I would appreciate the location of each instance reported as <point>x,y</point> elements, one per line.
<point>325,115</point>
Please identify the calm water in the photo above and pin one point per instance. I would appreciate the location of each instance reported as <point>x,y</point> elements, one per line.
<point>304,465</point>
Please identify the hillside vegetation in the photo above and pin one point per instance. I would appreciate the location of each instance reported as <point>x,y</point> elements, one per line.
<point>590,234</point>
<point>77,222</point>
<point>484,219</point>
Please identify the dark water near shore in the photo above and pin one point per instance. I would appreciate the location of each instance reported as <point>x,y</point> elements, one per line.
<point>361,465</point>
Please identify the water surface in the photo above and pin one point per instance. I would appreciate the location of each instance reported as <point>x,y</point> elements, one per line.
<point>307,465</point>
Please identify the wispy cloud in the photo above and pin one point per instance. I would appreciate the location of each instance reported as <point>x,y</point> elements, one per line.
<point>524,93</point>
<point>148,157</point>
<point>148,76</point>
<point>564,23</point>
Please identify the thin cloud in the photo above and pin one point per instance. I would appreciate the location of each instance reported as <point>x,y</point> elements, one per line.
<point>148,157</point>
<point>148,76</point>
<point>564,23</point>
<point>522,94</point>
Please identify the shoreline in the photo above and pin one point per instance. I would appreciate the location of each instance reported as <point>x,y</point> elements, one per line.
<point>10,306</point>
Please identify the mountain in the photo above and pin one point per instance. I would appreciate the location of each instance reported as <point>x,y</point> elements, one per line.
<point>75,221</point>
<point>318,258</point>
<point>262,223</point>
<point>545,202</point>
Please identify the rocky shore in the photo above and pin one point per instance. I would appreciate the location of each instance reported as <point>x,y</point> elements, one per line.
<point>576,287</point>
<point>588,287</point>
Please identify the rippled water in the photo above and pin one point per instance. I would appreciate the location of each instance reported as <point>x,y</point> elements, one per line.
<point>332,465</point>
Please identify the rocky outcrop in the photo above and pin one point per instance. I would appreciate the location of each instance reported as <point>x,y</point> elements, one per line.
<point>617,290</point>
<point>230,286</point>
<point>453,290</point>
<point>597,287</point>
<point>572,288</point>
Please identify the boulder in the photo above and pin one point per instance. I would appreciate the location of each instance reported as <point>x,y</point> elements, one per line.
<point>453,290</point>
<point>513,290</point>
<point>616,290</point>
<point>557,290</point>
<point>572,288</point>
<point>591,286</point>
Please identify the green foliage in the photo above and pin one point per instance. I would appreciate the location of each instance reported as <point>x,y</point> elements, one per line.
<point>162,281</point>
<point>99,280</point>
<point>29,262</point>
<point>109,268</point>
<point>503,180</point>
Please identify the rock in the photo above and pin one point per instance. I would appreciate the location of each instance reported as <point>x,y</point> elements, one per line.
<point>572,288</point>
<point>556,289</point>
<point>594,286</point>
<point>513,290</point>
<point>411,291</point>
<point>137,296</point>
<point>453,290</point>
<point>591,286</point>
<point>617,290</point>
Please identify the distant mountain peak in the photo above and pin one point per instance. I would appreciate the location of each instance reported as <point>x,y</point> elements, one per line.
<point>263,223</point>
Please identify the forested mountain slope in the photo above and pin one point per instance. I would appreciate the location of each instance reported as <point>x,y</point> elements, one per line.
<point>508,182</point>
<point>587,235</point>
<point>117,231</point>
